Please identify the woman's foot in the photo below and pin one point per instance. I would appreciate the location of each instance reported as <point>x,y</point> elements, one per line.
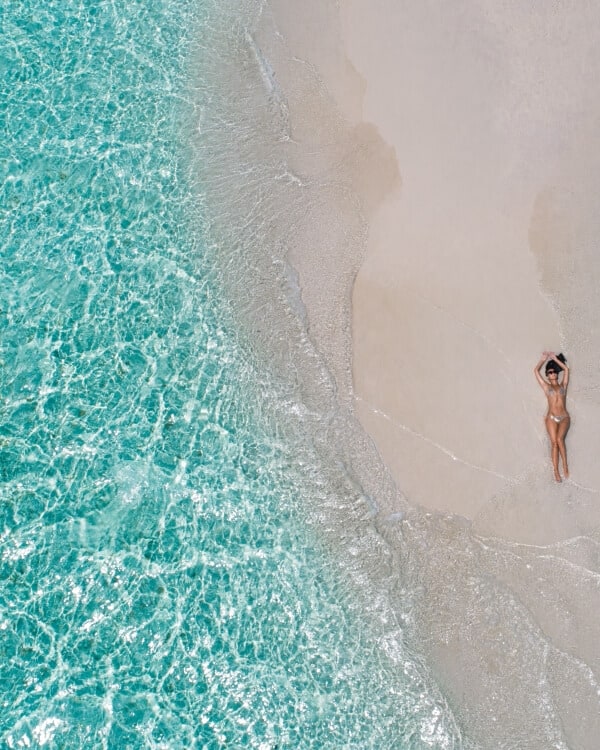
<point>566,470</point>
<point>557,476</point>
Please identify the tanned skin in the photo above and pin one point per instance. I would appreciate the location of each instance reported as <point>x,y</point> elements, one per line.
<point>556,393</point>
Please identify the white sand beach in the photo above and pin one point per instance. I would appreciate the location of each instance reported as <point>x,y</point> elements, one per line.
<point>485,254</point>
<point>444,166</point>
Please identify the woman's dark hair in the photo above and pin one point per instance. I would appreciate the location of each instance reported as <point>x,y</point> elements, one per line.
<point>553,367</point>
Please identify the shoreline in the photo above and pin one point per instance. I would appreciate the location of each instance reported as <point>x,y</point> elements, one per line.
<point>461,286</point>
<point>399,241</point>
<point>279,162</point>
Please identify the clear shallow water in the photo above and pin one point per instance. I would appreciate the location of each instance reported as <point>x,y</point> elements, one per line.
<point>161,586</point>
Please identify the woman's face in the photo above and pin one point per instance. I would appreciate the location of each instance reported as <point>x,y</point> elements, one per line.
<point>552,376</point>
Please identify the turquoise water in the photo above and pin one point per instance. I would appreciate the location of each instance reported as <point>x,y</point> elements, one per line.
<point>162,585</point>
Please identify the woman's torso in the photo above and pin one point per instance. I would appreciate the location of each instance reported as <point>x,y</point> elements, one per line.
<point>557,400</point>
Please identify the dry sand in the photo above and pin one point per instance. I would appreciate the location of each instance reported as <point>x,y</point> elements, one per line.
<point>474,264</point>
<point>484,255</point>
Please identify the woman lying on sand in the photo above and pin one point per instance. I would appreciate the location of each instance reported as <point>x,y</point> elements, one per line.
<point>557,418</point>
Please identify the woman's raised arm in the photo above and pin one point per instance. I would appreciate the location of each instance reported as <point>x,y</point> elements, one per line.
<point>536,370</point>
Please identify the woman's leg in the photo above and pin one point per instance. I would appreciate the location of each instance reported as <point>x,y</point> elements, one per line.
<point>563,428</point>
<point>552,429</point>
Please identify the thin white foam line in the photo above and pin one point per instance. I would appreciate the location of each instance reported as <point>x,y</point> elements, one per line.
<point>580,569</point>
<point>505,543</point>
<point>582,665</point>
<point>582,486</point>
<point>431,442</point>
<point>509,549</point>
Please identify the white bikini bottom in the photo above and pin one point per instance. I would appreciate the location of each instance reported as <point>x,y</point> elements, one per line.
<point>558,420</point>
